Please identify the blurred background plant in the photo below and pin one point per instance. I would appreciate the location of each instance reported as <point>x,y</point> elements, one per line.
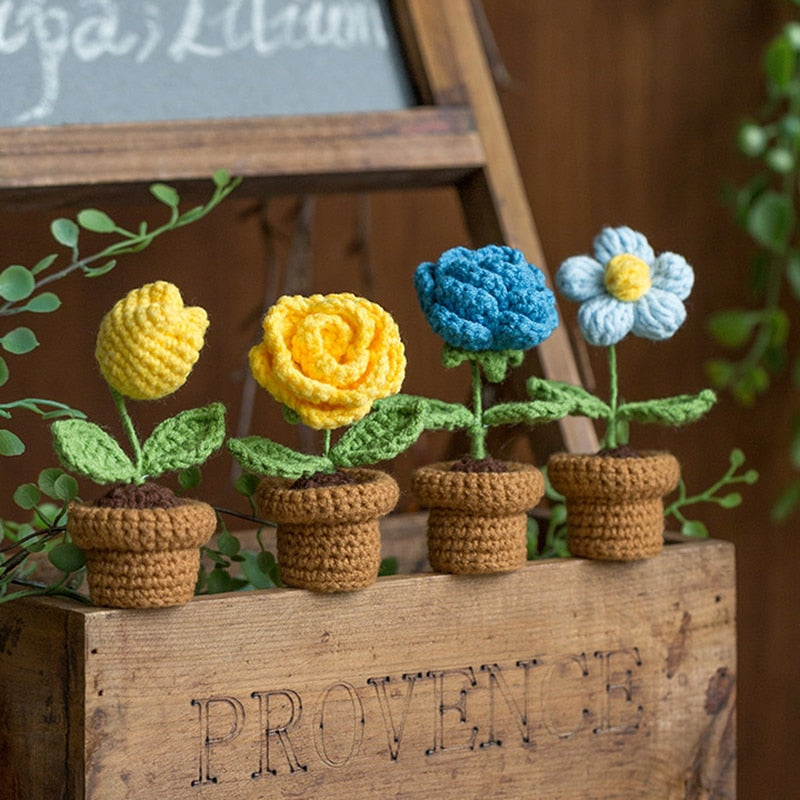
<point>23,289</point>
<point>767,208</point>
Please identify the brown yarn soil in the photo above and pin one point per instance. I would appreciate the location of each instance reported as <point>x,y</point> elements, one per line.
<point>623,451</point>
<point>320,480</point>
<point>145,495</point>
<point>470,464</point>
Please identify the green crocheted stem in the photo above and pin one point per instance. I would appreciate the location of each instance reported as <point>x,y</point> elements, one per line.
<point>477,432</point>
<point>613,401</point>
<point>130,432</point>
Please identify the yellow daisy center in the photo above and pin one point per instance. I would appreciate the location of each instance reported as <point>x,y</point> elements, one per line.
<point>627,277</point>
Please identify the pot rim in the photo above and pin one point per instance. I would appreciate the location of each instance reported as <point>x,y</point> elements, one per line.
<point>185,526</point>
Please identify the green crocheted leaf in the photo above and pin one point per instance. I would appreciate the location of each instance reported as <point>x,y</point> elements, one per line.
<point>533,412</point>
<point>265,457</point>
<point>393,425</point>
<point>567,395</point>
<point>678,410</point>
<point>185,440</point>
<point>439,415</point>
<point>87,449</point>
<point>493,363</point>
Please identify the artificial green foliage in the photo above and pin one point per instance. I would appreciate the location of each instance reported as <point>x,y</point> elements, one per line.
<point>767,208</point>
<point>44,531</point>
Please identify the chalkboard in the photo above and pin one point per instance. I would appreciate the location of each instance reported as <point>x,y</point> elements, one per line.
<point>101,61</point>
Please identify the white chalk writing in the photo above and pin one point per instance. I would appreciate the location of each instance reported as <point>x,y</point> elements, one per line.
<point>175,30</point>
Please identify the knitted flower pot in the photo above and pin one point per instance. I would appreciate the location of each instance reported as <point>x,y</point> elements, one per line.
<point>329,537</point>
<point>477,521</point>
<point>141,557</point>
<point>615,510</point>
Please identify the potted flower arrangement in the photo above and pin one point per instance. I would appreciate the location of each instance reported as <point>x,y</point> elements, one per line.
<point>141,540</point>
<point>327,359</point>
<point>490,306</point>
<point>614,498</point>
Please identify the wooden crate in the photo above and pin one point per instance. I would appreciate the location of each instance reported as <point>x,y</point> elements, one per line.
<point>566,679</point>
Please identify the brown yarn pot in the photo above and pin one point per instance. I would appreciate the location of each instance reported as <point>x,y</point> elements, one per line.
<point>615,507</point>
<point>141,557</point>
<point>329,536</point>
<point>477,521</point>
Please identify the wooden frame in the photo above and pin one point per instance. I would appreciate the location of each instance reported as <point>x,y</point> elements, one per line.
<point>457,136</point>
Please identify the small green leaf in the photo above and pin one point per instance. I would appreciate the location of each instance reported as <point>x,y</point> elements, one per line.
<point>19,341</point>
<point>247,483</point>
<point>752,139</point>
<point>47,480</point>
<point>192,215</point>
<point>251,568</point>
<point>4,374</point>
<point>720,372</point>
<point>731,500</point>
<point>779,62</point>
<point>390,428</point>
<point>675,411</point>
<point>266,562</point>
<point>189,478</point>
<point>16,283</point>
<point>769,220</point>
<point>567,395</point>
<point>96,272</point>
<point>532,412</point>
<point>793,273</point>
<point>91,219</point>
<point>787,502</point>
<point>265,457</point>
<point>44,263</point>
<point>67,557</point>
<point>10,444</point>
<point>695,529</point>
<point>221,178</point>
<point>65,488</point>
<point>736,458</point>
<point>185,440</point>
<point>290,415</point>
<point>388,566</point>
<point>780,160</point>
<point>227,543</point>
<point>65,231</point>
<point>733,327</point>
<point>165,194</point>
<point>87,449</point>
<point>437,415</point>
<point>43,303</point>
<point>27,496</point>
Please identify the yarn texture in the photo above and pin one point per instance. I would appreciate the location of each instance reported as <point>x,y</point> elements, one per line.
<point>477,521</point>
<point>141,557</point>
<point>329,357</point>
<point>486,299</point>
<point>328,538</point>
<point>149,341</point>
<point>615,510</point>
<point>625,288</point>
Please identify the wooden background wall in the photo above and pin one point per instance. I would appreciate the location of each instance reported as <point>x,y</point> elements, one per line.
<point>622,112</point>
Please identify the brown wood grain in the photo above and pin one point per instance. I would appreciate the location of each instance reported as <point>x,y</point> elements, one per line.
<point>565,679</point>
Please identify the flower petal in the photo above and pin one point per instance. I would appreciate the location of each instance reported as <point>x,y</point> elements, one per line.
<point>580,278</point>
<point>672,273</point>
<point>612,242</point>
<point>658,314</point>
<point>604,320</point>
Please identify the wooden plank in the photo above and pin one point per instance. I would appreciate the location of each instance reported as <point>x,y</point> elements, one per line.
<point>566,679</point>
<point>420,146</point>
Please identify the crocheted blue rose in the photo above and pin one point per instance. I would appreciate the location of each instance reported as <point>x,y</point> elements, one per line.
<point>486,299</point>
<point>626,288</point>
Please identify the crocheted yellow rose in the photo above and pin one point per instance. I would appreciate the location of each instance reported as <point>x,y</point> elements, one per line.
<point>329,357</point>
<point>149,341</point>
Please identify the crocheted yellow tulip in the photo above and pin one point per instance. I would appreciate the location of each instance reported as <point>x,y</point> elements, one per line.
<point>329,357</point>
<point>149,341</point>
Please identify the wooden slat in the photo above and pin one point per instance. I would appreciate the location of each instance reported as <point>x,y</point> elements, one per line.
<point>566,679</point>
<point>414,147</point>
